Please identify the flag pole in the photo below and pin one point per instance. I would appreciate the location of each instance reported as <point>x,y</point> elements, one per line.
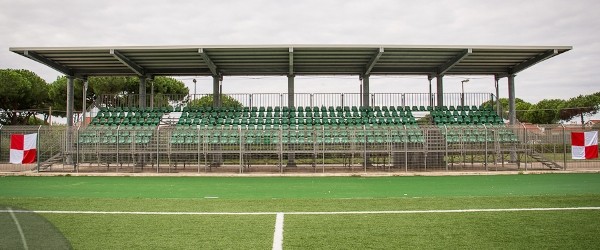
<point>1,142</point>
<point>564,147</point>
<point>37,150</point>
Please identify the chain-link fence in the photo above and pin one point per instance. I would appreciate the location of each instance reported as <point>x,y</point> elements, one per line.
<point>50,147</point>
<point>297,148</point>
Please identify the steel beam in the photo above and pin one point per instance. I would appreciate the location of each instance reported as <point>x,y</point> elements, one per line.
<point>128,62</point>
<point>213,68</point>
<point>70,100</point>
<point>291,58</point>
<point>440,90</point>
<point>429,78</point>
<point>84,103</point>
<point>512,114</point>
<point>539,58</point>
<point>498,104</point>
<point>38,58</point>
<point>291,91</point>
<point>365,91</point>
<point>373,61</point>
<point>142,94</point>
<point>216,91</point>
<point>452,62</point>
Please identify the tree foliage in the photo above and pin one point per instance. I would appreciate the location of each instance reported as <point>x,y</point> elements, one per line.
<point>22,95</point>
<point>58,95</point>
<point>545,111</point>
<point>207,101</point>
<point>520,106</point>
<point>551,110</point>
<point>165,88</point>
<point>582,105</point>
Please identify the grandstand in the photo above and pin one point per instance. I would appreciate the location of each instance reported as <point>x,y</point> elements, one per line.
<point>341,132</point>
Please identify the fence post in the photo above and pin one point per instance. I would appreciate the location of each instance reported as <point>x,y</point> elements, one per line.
<point>564,147</point>
<point>76,164</point>
<point>372,100</point>
<point>526,139</point>
<point>37,151</point>
<point>157,147</point>
<point>250,100</point>
<point>1,139</point>
<point>446,144</point>
<point>513,155</point>
<point>117,146</point>
<point>485,155</point>
<point>403,100</point>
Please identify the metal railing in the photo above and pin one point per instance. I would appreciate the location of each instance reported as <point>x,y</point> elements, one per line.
<point>302,99</point>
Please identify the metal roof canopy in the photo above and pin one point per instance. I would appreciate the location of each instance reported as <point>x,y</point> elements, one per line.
<point>432,60</point>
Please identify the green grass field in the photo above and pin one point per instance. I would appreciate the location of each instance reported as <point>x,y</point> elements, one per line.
<point>294,196</point>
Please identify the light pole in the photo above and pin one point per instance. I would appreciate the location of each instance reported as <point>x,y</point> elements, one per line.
<point>194,80</point>
<point>462,95</point>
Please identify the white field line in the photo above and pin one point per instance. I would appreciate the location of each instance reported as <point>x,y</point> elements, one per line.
<point>278,235</point>
<point>308,213</point>
<point>12,214</point>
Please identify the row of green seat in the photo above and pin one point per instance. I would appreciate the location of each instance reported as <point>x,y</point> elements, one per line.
<point>110,134</point>
<point>299,109</point>
<point>472,138</point>
<point>477,133</point>
<point>291,109</point>
<point>114,139</point>
<point>297,138</point>
<point>292,114</point>
<point>312,121</point>
<point>329,108</point>
<point>125,121</point>
<point>467,120</point>
<point>145,114</point>
<point>136,109</point>
<point>481,113</point>
<point>462,108</point>
<point>465,117</point>
<point>299,130</point>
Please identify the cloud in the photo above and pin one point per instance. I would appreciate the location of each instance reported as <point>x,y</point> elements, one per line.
<point>85,23</point>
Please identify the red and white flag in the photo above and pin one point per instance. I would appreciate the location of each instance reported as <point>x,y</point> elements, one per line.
<point>23,148</point>
<point>584,145</point>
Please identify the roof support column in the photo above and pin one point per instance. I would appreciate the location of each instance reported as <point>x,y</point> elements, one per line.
<point>512,114</point>
<point>291,92</point>
<point>70,101</point>
<point>70,104</point>
<point>142,101</point>
<point>216,91</point>
<point>291,157</point>
<point>498,104</point>
<point>430,92</point>
<point>440,90</point>
<point>84,103</point>
<point>365,90</point>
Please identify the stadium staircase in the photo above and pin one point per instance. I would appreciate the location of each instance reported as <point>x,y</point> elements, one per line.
<point>55,159</point>
<point>544,161</point>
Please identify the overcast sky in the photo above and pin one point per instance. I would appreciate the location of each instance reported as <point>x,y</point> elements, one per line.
<point>574,23</point>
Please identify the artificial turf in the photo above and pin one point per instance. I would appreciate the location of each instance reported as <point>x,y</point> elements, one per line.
<point>299,187</point>
<point>538,229</point>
